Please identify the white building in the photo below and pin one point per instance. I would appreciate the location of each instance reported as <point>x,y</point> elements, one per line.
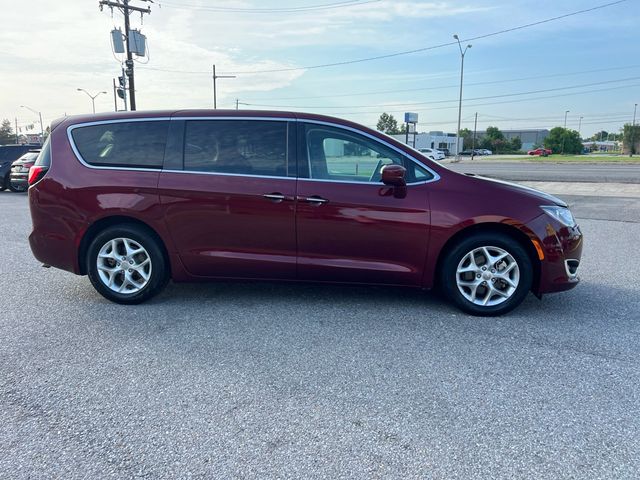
<point>433,139</point>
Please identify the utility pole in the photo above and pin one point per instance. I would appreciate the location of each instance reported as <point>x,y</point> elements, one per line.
<point>41,126</point>
<point>564,134</point>
<point>115,96</point>
<point>473,142</point>
<point>16,119</point>
<point>127,9</point>
<point>215,77</point>
<point>462,52</point>
<point>633,129</point>
<point>236,104</point>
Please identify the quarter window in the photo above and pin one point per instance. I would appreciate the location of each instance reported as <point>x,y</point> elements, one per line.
<point>122,144</point>
<point>244,147</point>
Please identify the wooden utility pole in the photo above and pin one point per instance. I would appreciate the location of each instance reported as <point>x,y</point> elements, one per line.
<point>127,9</point>
<point>473,142</point>
<point>215,77</point>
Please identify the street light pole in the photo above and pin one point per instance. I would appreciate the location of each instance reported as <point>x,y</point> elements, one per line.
<point>462,52</point>
<point>564,134</point>
<point>633,129</point>
<point>92,97</point>
<point>580,127</point>
<point>41,126</point>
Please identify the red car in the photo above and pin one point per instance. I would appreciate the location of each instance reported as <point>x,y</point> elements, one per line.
<point>135,199</point>
<point>543,152</point>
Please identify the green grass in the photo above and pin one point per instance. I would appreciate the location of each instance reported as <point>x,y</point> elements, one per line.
<point>585,159</point>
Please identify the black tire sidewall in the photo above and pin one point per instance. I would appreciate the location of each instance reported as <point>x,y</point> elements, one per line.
<point>159,270</point>
<point>450,265</point>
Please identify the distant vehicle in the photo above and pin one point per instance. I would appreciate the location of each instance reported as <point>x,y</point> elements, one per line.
<point>445,151</point>
<point>20,171</point>
<point>543,152</point>
<point>432,153</point>
<point>9,153</point>
<point>470,152</point>
<point>485,151</point>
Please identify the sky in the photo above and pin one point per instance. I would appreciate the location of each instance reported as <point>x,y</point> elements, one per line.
<point>587,63</point>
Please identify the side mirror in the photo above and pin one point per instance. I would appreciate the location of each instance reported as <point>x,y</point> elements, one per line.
<point>393,175</point>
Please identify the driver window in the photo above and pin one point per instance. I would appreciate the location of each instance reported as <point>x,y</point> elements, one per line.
<point>336,154</point>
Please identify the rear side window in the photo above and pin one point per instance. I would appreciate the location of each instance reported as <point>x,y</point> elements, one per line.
<point>244,147</point>
<point>122,144</point>
<point>44,157</point>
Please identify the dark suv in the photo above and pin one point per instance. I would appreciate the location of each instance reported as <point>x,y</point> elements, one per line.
<point>135,199</point>
<point>8,154</point>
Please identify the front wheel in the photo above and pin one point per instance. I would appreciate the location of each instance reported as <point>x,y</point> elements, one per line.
<point>487,274</point>
<point>126,264</point>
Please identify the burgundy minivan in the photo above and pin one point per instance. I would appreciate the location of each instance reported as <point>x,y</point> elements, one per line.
<point>135,199</point>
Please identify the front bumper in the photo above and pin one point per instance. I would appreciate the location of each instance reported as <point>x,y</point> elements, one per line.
<point>562,248</point>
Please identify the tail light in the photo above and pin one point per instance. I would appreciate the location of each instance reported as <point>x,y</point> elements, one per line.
<point>36,173</point>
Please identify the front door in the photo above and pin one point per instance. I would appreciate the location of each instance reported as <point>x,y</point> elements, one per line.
<point>350,226</point>
<point>229,203</point>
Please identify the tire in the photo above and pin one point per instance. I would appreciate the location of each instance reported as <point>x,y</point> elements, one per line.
<point>503,283</point>
<point>16,189</point>
<point>127,246</point>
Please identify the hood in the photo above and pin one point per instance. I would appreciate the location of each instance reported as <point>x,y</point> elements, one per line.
<point>532,192</point>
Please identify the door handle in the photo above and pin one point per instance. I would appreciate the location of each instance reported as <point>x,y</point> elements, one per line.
<point>276,197</point>
<point>315,199</point>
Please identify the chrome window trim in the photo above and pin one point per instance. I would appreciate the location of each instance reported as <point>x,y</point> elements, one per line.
<point>71,128</point>
<point>221,174</point>
<point>435,178</point>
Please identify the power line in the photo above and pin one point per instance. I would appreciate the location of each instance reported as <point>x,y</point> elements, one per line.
<point>380,108</point>
<point>433,47</point>
<point>449,101</point>
<point>306,8</point>
<point>406,52</point>
<point>442,87</point>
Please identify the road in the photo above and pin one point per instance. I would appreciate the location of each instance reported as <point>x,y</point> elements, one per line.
<point>262,380</point>
<point>550,172</point>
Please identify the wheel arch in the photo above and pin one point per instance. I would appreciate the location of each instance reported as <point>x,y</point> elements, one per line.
<point>99,225</point>
<point>494,227</point>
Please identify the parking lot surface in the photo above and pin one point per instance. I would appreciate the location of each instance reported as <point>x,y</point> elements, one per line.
<point>262,380</point>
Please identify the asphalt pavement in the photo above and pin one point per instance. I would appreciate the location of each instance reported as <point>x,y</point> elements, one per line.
<point>550,172</point>
<point>264,380</point>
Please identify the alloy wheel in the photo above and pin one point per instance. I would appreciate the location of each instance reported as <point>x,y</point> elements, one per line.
<point>124,265</point>
<point>487,276</point>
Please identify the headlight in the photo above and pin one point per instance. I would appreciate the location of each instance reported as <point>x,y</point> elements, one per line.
<point>561,214</point>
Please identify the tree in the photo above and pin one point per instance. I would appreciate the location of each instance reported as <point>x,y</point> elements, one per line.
<point>6,133</point>
<point>388,124</point>
<point>516,144</point>
<point>467,139</point>
<point>563,140</point>
<point>598,136</point>
<point>631,139</point>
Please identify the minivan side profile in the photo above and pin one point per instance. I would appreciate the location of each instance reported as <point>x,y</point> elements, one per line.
<point>138,198</point>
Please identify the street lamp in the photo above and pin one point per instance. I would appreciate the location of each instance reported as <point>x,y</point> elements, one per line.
<point>462,52</point>
<point>633,129</point>
<point>41,126</point>
<point>92,97</point>
<point>564,134</point>
<point>580,127</point>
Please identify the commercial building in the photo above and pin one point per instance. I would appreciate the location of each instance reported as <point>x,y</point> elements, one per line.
<point>434,139</point>
<point>528,137</point>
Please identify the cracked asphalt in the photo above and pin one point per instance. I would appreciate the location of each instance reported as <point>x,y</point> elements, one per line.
<point>263,380</point>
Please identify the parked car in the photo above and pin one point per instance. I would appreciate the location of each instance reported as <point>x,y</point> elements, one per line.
<point>445,151</point>
<point>9,153</point>
<point>469,152</point>
<point>543,152</point>
<point>133,199</point>
<point>20,171</point>
<point>432,153</point>
<point>485,151</point>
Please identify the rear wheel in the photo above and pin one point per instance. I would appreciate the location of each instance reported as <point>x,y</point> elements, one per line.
<point>126,264</point>
<point>487,274</point>
<point>15,189</point>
